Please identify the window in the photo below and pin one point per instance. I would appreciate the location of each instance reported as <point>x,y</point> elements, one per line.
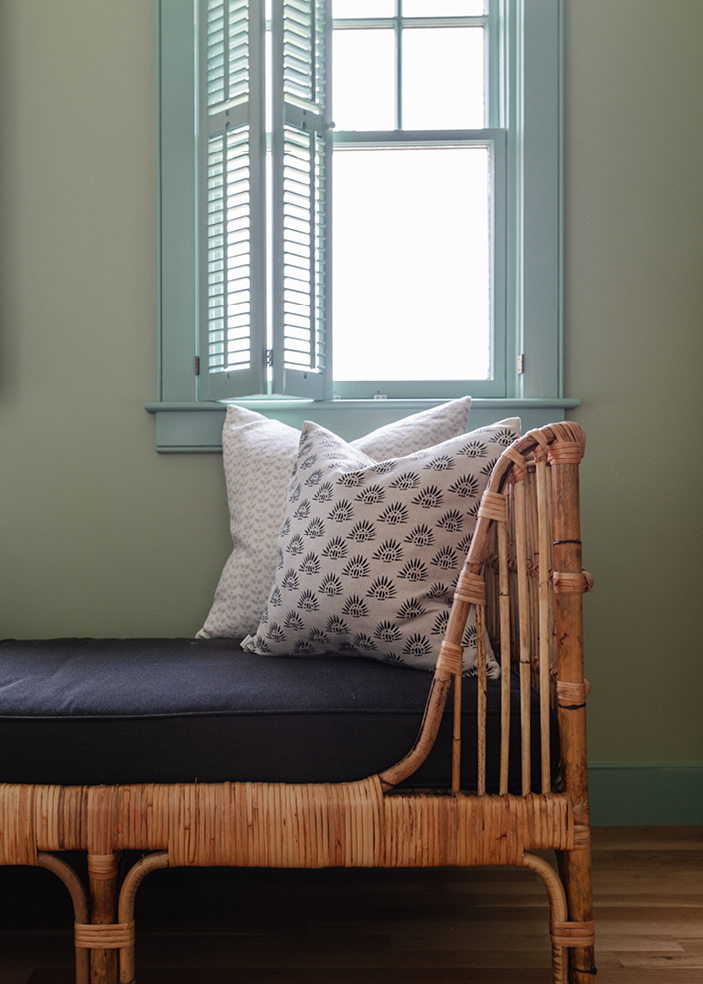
<point>418,181</point>
<point>359,198</point>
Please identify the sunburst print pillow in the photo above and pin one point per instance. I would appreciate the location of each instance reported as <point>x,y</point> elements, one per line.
<point>369,552</point>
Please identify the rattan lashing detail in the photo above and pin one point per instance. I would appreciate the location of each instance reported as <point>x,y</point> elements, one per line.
<point>541,444</point>
<point>572,934</point>
<point>582,838</point>
<point>112,936</point>
<point>566,453</point>
<point>471,588</point>
<point>102,866</point>
<point>582,827</point>
<point>565,583</point>
<point>493,506</point>
<point>451,658</point>
<point>519,469</point>
<point>572,694</point>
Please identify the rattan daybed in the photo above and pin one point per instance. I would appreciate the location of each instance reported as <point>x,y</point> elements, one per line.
<point>514,784</point>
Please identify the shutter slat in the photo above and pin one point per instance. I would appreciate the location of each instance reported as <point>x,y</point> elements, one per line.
<point>229,204</point>
<point>301,29</point>
<point>228,67</point>
<point>232,325</point>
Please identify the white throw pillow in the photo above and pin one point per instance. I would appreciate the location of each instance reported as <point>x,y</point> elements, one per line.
<point>369,552</point>
<point>258,456</point>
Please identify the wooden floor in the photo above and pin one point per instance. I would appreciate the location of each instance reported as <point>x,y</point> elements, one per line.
<point>480,926</point>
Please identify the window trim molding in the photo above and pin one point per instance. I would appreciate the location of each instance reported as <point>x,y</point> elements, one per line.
<point>197,427</point>
<point>534,173</point>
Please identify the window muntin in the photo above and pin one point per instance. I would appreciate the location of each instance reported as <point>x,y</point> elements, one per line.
<point>443,8</point>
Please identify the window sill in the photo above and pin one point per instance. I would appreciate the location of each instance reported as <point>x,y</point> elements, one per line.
<point>183,428</point>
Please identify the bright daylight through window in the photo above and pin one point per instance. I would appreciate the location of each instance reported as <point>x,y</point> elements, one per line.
<point>412,224</point>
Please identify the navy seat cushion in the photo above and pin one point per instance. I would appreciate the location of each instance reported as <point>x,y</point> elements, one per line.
<point>104,711</point>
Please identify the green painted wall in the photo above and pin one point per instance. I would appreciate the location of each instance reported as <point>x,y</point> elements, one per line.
<point>99,535</point>
<point>634,352</point>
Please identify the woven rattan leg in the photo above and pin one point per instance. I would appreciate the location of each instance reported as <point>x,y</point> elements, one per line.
<point>126,907</point>
<point>579,895</point>
<point>80,905</point>
<point>102,876</point>
<point>558,909</point>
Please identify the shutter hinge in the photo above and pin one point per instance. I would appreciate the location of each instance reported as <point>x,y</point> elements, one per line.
<point>269,357</point>
<point>197,365</point>
<point>520,364</point>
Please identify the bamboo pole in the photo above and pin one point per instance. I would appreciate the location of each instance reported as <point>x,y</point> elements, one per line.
<point>456,736</point>
<point>481,699</point>
<point>544,624</point>
<point>102,878</point>
<point>504,590</point>
<point>570,583</point>
<point>524,623</point>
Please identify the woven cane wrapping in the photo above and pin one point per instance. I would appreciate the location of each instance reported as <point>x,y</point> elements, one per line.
<point>471,588</point>
<point>451,658</point>
<point>572,583</point>
<point>572,933</point>
<point>108,937</point>
<point>493,506</point>
<point>572,694</point>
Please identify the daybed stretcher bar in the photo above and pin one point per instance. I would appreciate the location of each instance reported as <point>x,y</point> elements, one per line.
<point>524,578</point>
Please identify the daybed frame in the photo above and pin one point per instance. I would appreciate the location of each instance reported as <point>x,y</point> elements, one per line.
<point>525,579</point>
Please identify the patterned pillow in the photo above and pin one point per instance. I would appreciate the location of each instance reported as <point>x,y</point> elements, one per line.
<point>369,552</point>
<point>258,456</point>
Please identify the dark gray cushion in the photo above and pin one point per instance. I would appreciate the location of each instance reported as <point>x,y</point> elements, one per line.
<point>75,711</point>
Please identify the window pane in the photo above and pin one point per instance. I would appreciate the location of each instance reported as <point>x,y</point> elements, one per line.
<point>443,8</point>
<point>363,8</point>
<point>364,80</point>
<point>443,78</point>
<point>411,261</point>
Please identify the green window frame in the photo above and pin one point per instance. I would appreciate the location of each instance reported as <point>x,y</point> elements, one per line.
<point>524,133</point>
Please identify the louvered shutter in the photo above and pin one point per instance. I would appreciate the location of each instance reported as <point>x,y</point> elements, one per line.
<point>301,164</point>
<point>233,200</point>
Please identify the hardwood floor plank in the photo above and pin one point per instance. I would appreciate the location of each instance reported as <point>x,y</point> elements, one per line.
<point>634,942</point>
<point>177,975</point>
<point>664,961</point>
<point>644,975</point>
<point>655,900</point>
<point>681,923</point>
<point>14,975</point>
<point>663,838</point>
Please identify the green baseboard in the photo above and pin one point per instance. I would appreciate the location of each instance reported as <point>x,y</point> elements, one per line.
<point>653,793</point>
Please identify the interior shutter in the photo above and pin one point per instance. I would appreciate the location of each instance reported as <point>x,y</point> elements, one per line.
<point>301,163</point>
<point>233,200</point>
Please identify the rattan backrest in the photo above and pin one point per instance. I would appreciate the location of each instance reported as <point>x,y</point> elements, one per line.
<point>524,578</point>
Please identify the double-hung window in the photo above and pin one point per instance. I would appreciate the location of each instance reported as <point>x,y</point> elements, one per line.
<point>359,199</point>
